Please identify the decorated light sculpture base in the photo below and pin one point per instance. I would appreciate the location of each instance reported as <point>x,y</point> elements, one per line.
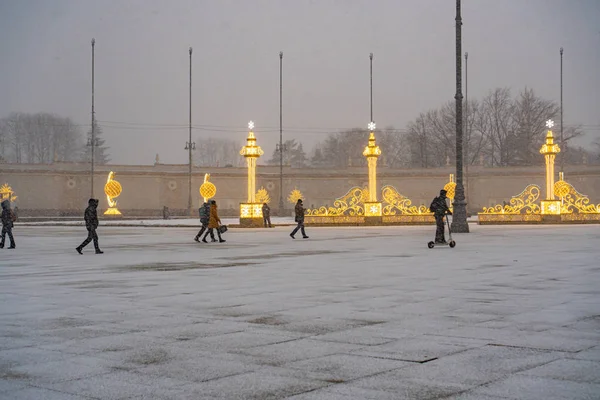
<point>112,190</point>
<point>251,211</point>
<point>573,207</point>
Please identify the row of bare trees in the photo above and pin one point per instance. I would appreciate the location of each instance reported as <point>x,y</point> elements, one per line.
<point>499,130</point>
<point>44,138</point>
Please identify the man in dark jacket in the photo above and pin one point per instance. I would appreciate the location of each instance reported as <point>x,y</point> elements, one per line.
<point>204,212</point>
<point>91,223</point>
<point>439,208</point>
<point>266,212</point>
<point>8,217</point>
<point>299,210</point>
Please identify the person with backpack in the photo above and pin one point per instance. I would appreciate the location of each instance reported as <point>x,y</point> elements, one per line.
<point>91,223</point>
<point>213,222</point>
<point>299,211</point>
<point>204,212</point>
<point>8,218</point>
<point>439,208</point>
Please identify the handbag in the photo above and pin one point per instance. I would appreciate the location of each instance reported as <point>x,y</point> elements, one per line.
<point>222,229</point>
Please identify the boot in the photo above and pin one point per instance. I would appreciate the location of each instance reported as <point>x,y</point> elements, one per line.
<point>12,246</point>
<point>292,236</point>
<point>221,240</point>
<point>98,251</point>
<point>197,239</point>
<point>78,250</point>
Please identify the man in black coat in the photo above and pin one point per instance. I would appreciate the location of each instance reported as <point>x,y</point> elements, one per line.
<point>91,223</point>
<point>299,210</point>
<point>439,208</point>
<point>8,217</point>
<point>204,212</point>
<point>266,212</point>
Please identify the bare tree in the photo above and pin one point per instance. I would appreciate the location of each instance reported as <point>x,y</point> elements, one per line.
<point>497,112</point>
<point>39,138</point>
<point>218,152</point>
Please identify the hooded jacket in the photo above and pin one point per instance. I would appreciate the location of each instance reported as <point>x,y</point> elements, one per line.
<point>439,206</point>
<point>6,216</point>
<point>91,215</point>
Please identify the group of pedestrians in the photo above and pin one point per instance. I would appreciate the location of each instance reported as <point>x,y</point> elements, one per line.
<point>209,218</point>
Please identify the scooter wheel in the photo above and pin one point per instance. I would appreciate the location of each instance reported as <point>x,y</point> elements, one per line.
<point>452,243</point>
<point>430,245</point>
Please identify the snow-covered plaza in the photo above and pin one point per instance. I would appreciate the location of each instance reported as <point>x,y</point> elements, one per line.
<point>351,313</point>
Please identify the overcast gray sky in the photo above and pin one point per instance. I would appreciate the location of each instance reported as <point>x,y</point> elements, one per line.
<point>142,63</point>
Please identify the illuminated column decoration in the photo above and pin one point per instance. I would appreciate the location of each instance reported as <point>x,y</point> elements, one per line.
<point>372,152</point>
<point>251,152</point>
<point>550,150</point>
<point>112,189</point>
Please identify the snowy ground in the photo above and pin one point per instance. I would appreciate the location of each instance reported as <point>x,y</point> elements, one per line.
<point>351,313</point>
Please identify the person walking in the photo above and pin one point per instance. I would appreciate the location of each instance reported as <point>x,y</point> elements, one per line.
<point>439,208</point>
<point>204,212</point>
<point>266,212</point>
<point>213,222</point>
<point>8,218</point>
<point>91,223</point>
<point>299,211</point>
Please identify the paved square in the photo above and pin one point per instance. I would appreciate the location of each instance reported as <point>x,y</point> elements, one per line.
<point>351,313</point>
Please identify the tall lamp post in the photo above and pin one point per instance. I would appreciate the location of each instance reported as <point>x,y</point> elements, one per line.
<point>280,147</point>
<point>467,162</point>
<point>92,142</point>
<point>562,139</point>
<point>371,83</point>
<point>189,146</point>
<point>459,220</point>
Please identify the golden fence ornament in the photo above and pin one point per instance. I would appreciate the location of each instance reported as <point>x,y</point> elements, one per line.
<point>351,204</point>
<point>394,203</point>
<point>523,203</point>
<point>572,200</point>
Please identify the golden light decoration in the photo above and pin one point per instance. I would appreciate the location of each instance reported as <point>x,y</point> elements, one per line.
<point>573,201</point>
<point>549,150</point>
<point>450,188</point>
<point>251,152</point>
<point>373,209</point>
<point>396,204</point>
<point>6,193</point>
<point>550,207</point>
<point>112,189</point>
<point>262,196</point>
<point>294,196</point>
<point>250,210</point>
<point>350,204</point>
<point>523,203</point>
<point>207,189</point>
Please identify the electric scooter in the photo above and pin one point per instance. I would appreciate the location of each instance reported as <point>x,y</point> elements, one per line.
<point>450,243</point>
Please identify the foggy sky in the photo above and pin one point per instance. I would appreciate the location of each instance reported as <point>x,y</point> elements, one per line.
<point>142,64</point>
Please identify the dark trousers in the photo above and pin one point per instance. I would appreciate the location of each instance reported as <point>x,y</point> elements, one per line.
<point>201,231</point>
<point>300,227</point>
<point>91,236</point>
<point>267,220</point>
<point>211,232</point>
<point>7,229</point>
<point>439,232</point>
